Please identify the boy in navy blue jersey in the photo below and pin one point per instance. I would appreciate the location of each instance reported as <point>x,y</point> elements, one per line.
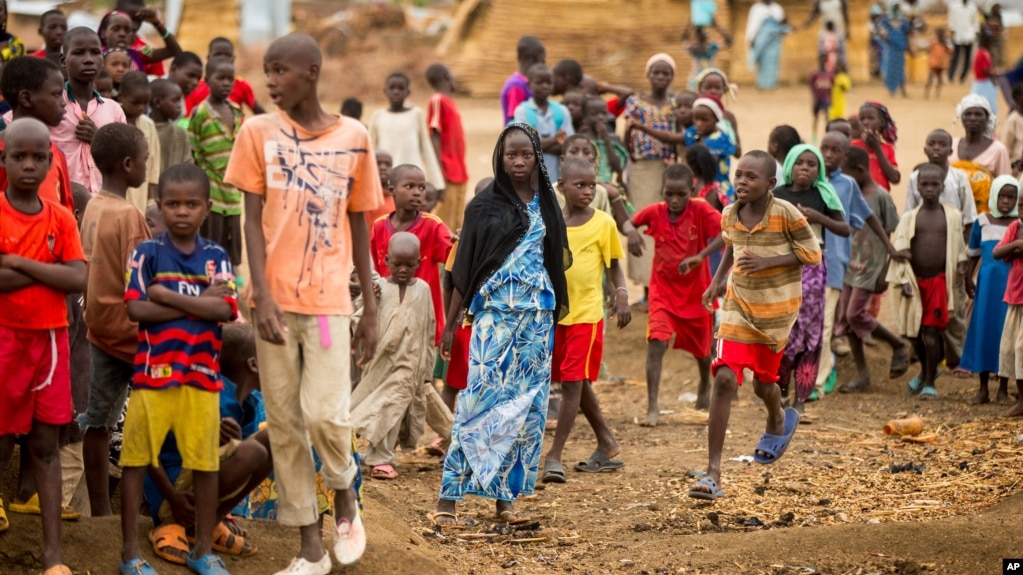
<point>180,287</point>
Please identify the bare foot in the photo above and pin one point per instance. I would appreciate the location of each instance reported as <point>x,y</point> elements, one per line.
<point>1003,398</point>
<point>859,385</point>
<point>702,401</point>
<point>981,398</point>
<point>609,448</point>
<point>651,419</point>
<point>1016,411</point>
<point>800,407</point>
<point>776,422</point>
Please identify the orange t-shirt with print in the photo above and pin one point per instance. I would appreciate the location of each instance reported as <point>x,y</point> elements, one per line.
<point>56,186</point>
<point>309,182</point>
<point>50,237</point>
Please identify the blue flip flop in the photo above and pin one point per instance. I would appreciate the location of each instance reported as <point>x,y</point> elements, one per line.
<point>138,566</point>
<point>774,446</point>
<point>206,565</point>
<point>928,392</point>
<point>709,483</point>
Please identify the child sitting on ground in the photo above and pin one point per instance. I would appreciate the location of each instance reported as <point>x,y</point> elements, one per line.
<point>923,288</point>
<point>42,261</point>
<point>981,349</point>
<point>579,336</point>
<point>180,288</point>
<point>245,459</point>
<point>549,118</point>
<point>111,228</point>
<point>212,130</point>
<point>762,300</point>
<point>805,185</point>
<point>164,110</point>
<point>865,277</point>
<point>402,131</point>
<point>405,354</point>
<point>1010,249</point>
<point>685,232</point>
<point>877,136</point>
<point>135,96</point>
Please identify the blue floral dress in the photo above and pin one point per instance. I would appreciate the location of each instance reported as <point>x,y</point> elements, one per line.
<point>500,416</point>
<point>721,145</point>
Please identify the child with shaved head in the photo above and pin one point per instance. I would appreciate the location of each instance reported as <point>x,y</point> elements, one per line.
<point>391,380</point>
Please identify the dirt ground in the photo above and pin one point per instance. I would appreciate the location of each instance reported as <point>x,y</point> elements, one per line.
<point>830,506</point>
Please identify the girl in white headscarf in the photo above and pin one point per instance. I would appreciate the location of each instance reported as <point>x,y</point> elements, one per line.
<point>981,351</point>
<point>977,153</point>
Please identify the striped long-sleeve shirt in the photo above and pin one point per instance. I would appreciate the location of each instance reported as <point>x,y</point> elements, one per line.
<point>761,307</point>
<point>211,143</point>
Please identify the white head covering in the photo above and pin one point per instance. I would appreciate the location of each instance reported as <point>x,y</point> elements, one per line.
<point>977,101</point>
<point>996,188</point>
<point>711,105</point>
<point>661,57</point>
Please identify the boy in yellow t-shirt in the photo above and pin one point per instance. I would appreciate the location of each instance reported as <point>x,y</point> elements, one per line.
<point>579,336</point>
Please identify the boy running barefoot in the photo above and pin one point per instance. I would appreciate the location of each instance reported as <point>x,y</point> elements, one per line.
<point>41,260</point>
<point>924,287</point>
<point>762,300</point>
<point>579,336</point>
<point>685,232</point>
<point>303,235</point>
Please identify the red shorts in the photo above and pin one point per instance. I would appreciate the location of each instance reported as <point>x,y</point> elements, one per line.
<point>694,335</point>
<point>458,366</point>
<point>578,350</point>
<point>756,357</point>
<point>934,299</point>
<point>32,386</point>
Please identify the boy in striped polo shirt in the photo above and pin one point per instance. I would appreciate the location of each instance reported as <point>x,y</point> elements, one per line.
<point>769,241</point>
<point>211,132</point>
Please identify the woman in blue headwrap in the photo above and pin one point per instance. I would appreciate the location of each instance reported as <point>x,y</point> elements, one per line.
<point>805,185</point>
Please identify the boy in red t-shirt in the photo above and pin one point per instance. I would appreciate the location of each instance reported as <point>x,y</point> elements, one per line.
<point>241,93</point>
<point>41,259</point>
<point>449,144</point>
<point>408,188</point>
<point>685,231</point>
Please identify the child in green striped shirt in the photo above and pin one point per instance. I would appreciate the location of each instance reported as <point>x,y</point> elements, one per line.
<point>211,132</point>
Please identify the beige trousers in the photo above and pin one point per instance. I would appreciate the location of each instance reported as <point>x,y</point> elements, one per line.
<point>307,391</point>
<point>827,362</point>
<point>645,183</point>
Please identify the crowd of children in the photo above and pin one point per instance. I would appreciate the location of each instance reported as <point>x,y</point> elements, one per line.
<point>132,331</point>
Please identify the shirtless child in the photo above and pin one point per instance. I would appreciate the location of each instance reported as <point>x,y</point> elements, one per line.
<point>933,235</point>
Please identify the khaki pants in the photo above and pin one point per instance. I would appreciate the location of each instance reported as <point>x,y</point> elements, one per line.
<point>429,409</point>
<point>955,333</point>
<point>307,391</point>
<point>827,356</point>
<point>451,210</point>
<point>645,183</point>
<point>72,469</point>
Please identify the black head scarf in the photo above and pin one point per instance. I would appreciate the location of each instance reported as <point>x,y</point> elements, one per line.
<point>495,222</point>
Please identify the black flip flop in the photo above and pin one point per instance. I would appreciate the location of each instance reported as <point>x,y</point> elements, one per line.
<point>599,463</point>
<point>553,472</point>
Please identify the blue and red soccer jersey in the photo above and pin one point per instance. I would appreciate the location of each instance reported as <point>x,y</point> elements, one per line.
<point>184,351</point>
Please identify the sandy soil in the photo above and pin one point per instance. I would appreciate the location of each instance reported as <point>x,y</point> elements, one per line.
<point>830,506</point>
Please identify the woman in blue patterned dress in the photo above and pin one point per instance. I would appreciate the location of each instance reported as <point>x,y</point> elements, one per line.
<point>509,276</point>
<point>896,30</point>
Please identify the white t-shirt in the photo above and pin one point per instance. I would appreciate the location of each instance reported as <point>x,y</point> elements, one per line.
<point>957,193</point>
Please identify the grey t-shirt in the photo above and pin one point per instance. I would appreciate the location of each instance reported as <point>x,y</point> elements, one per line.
<point>869,255</point>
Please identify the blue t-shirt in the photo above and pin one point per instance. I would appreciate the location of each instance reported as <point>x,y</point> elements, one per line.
<point>857,212</point>
<point>184,351</point>
<point>249,414</point>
